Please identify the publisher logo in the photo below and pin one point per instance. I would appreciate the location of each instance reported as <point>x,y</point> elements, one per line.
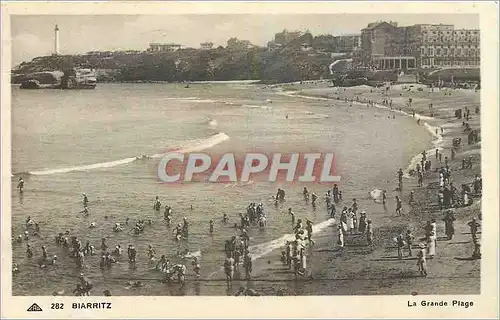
<point>177,167</point>
<point>34,307</point>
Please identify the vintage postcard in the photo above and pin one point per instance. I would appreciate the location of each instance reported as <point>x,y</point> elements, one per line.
<point>249,160</point>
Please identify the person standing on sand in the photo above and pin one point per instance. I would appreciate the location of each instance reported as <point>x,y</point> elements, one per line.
<point>410,200</point>
<point>431,244</point>
<point>362,222</point>
<point>421,261</point>
<point>441,180</point>
<point>449,224</point>
<point>466,200</point>
<point>354,220</point>
<point>340,239</point>
<point>434,226</point>
<point>369,234</point>
<point>350,220</point>
<point>302,270</point>
<point>384,197</point>
<point>473,228</point>
<point>229,270</point>
<point>476,254</point>
<point>289,250</point>
<point>437,150</point>
<point>400,243</point>
<point>343,220</point>
<point>247,264</point>
<point>399,206</point>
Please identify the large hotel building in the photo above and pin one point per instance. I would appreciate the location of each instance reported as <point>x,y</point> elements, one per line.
<point>384,45</point>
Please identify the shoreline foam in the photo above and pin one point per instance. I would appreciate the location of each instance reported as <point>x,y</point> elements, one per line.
<point>437,142</point>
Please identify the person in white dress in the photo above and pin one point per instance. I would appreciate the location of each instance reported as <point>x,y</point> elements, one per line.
<point>340,240</point>
<point>350,220</point>
<point>431,244</point>
<point>466,198</point>
<point>343,220</point>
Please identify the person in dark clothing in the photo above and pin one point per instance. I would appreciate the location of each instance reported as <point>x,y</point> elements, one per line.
<point>449,227</point>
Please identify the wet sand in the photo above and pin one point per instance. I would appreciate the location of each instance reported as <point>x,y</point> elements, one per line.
<point>360,271</point>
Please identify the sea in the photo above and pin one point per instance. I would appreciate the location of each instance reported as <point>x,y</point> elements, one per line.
<point>69,142</point>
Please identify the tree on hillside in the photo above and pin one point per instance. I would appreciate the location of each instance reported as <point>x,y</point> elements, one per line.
<point>236,44</point>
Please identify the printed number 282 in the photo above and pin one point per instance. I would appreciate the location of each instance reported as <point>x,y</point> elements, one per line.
<point>57,306</point>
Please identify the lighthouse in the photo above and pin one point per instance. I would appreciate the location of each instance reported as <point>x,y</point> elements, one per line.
<point>56,40</point>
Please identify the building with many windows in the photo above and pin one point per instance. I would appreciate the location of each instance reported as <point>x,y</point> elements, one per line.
<point>384,45</point>
<point>449,47</point>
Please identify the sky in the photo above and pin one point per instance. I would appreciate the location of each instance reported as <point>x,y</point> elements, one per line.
<point>33,35</point>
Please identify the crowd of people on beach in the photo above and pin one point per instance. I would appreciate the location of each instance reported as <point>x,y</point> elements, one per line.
<point>448,197</point>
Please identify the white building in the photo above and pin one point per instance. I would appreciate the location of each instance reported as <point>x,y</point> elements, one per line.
<point>206,45</point>
<point>164,47</point>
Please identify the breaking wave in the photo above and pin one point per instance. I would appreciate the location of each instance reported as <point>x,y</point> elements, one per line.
<point>190,146</point>
<point>198,145</point>
<point>257,106</point>
<point>191,99</point>
<point>213,123</point>
<point>85,167</point>
<point>294,94</point>
<point>260,250</point>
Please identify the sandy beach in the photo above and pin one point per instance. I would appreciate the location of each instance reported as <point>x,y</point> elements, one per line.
<point>359,270</point>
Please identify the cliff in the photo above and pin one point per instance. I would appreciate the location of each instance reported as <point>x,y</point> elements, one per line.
<point>289,64</point>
